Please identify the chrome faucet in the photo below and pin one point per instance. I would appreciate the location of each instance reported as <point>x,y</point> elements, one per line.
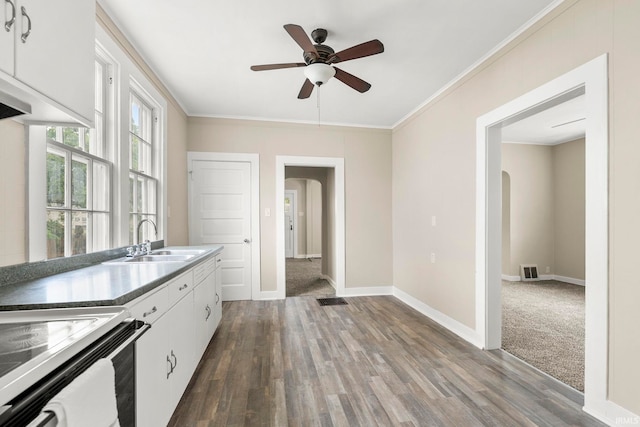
<point>142,221</point>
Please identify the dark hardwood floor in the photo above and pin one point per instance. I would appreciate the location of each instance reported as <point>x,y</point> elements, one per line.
<point>373,362</point>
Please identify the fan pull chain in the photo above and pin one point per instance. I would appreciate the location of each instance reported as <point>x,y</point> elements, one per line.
<point>318,104</point>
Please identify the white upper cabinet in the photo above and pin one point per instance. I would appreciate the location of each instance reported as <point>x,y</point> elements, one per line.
<point>8,16</point>
<point>48,56</point>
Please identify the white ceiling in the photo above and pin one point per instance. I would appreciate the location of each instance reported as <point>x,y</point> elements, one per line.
<point>202,51</point>
<point>562,123</point>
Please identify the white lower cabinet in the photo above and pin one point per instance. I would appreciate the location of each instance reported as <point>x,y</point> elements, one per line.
<point>181,328</point>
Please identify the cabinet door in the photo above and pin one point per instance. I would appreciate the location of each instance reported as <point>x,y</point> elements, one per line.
<point>217,308</point>
<point>152,376</point>
<point>203,315</point>
<point>58,56</point>
<point>7,38</point>
<point>182,345</point>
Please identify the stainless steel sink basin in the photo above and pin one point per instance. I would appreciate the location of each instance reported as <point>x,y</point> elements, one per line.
<point>176,252</point>
<point>152,258</point>
<point>160,258</point>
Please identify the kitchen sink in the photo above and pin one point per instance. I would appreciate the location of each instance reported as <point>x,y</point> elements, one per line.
<point>175,252</point>
<point>151,258</point>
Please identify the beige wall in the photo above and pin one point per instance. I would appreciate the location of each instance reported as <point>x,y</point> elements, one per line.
<point>12,193</point>
<point>546,203</point>
<point>366,154</point>
<point>530,168</point>
<point>569,209</point>
<point>309,215</point>
<point>434,170</point>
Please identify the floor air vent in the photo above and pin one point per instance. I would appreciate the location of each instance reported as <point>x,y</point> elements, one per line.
<point>528,272</point>
<point>332,301</point>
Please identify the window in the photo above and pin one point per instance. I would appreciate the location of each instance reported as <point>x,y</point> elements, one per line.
<point>78,184</point>
<point>89,189</point>
<point>143,171</point>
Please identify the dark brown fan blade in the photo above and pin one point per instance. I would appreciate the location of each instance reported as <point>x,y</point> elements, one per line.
<point>306,90</point>
<point>369,48</point>
<point>299,36</point>
<point>352,81</point>
<point>277,66</point>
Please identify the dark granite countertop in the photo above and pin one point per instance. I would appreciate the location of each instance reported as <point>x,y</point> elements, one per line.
<point>97,285</point>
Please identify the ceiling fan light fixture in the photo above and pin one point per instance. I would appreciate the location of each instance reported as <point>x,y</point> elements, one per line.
<point>319,73</point>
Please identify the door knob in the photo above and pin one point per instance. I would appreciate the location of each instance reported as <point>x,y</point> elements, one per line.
<point>247,241</point>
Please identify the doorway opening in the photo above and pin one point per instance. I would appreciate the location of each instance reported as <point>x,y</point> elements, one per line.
<point>543,212</point>
<point>591,79</point>
<point>303,228</point>
<point>326,240</point>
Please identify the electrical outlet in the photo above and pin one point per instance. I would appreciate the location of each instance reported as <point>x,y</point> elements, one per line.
<point>433,257</point>
<point>267,212</point>
<point>433,221</point>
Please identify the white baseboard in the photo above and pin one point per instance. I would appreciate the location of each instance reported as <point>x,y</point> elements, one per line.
<point>612,414</point>
<point>579,282</point>
<point>305,256</point>
<point>463,331</point>
<point>367,291</point>
<point>266,295</point>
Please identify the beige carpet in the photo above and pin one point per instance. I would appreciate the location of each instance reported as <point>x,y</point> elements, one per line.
<point>543,324</point>
<point>304,278</point>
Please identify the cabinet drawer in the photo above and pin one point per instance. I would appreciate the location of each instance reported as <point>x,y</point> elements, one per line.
<point>203,270</point>
<point>150,308</point>
<point>180,287</point>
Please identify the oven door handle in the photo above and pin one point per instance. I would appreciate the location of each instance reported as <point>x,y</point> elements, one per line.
<point>144,328</point>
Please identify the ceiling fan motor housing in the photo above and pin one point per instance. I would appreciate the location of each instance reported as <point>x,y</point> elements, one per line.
<point>324,52</point>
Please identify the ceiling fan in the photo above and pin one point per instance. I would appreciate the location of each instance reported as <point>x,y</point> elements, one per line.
<point>319,60</point>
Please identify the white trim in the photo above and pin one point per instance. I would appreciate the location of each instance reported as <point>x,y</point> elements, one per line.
<point>463,331</point>
<point>510,278</point>
<point>339,214</point>
<point>266,296</point>
<point>330,280</point>
<point>254,160</point>
<point>571,280</point>
<point>592,77</point>
<point>294,215</point>
<point>370,291</point>
<point>613,414</point>
<point>288,121</point>
<point>531,22</point>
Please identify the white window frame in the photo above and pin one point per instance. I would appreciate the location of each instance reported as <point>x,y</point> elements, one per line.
<point>124,76</point>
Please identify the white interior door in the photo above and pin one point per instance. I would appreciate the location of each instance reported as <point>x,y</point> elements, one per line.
<point>220,213</point>
<point>289,223</point>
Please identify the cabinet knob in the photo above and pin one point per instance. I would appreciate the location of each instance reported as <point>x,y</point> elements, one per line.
<point>183,287</point>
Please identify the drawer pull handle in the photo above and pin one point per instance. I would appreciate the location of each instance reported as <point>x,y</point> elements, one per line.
<point>8,24</point>
<point>26,34</point>
<point>170,371</point>
<point>173,366</point>
<point>150,312</point>
<point>217,298</point>
<point>208,309</point>
<point>183,287</point>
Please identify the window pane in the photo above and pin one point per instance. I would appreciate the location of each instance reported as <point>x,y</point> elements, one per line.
<point>55,234</point>
<point>135,116</point>
<point>55,179</point>
<point>144,161</point>
<point>132,193</point>
<point>101,186</point>
<point>79,233</point>
<point>71,137</point>
<point>151,196</point>
<point>51,132</point>
<point>133,219</point>
<point>134,153</point>
<point>101,231</point>
<point>79,182</point>
<point>140,199</point>
<point>147,123</point>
